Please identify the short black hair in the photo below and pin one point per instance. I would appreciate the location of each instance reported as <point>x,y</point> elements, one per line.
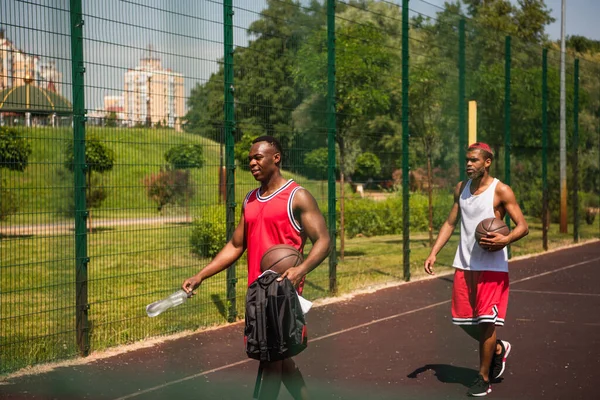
<point>269,139</point>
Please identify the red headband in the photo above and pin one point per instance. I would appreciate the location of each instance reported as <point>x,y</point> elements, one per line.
<point>481,146</point>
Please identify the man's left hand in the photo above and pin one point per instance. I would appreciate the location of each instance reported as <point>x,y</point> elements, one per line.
<point>294,275</point>
<point>494,241</point>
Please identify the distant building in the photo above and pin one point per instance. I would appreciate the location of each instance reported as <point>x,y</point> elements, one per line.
<point>16,66</point>
<point>7,51</point>
<point>153,95</point>
<point>114,104</point>
<point>49,77</point>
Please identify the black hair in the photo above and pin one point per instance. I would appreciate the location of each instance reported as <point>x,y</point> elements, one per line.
<point>271,140</point>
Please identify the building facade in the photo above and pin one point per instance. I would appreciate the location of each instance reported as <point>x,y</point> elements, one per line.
<point>17,66</point>
<point>153,95</point>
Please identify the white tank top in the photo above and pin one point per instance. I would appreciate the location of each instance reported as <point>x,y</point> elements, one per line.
<point>473,209</point>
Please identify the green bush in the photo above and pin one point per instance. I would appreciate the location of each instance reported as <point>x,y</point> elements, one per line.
<point>372,218</point>
<point>209,233</point>
<point>98,156</point>
<point>185,156</point>
<point>367,166</point>
<point>14,156</point>
<point>316,163</point>
<point>14,150</point>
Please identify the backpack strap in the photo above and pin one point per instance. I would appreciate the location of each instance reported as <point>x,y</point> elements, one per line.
<point>261,324</point>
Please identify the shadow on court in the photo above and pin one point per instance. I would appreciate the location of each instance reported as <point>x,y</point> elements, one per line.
<point>447,373</point>
<point>398,342</point>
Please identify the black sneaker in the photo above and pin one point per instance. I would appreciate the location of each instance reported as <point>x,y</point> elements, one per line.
<point>499,360</point>
<point>479,387</point>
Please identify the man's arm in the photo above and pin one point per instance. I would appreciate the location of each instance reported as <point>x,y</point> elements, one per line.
<point>306,211</point>
<point>232,251</point>
<point>496,241</point>
<point>446,230</point>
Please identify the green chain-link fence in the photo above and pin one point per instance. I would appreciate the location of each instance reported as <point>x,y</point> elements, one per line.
<point>125,127</point>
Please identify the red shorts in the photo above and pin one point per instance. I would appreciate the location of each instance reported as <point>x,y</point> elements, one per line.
<point>479,297</point>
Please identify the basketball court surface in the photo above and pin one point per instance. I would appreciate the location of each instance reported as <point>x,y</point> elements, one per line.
<point>395,343</point>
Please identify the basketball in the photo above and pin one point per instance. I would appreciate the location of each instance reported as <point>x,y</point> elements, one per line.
<point>490,225</point>
<point>280,258</point>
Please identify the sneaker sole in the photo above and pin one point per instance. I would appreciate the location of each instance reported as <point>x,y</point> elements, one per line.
<point>481,394</point>
<point>507,347</point>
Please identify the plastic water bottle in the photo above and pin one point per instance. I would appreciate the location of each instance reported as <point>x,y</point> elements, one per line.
<point>160,306</point>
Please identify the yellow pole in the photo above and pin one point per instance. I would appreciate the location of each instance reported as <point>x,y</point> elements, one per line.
<point>472,122</point>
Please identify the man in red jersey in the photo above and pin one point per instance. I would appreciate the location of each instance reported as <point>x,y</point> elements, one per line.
<point>278,212</point>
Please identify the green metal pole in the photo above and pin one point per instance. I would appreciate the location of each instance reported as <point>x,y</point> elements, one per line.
<point>576,154</point>
<point>331,132</point>
<point>507,144</point>
<point>545,149</point>
<point>405,138</point>
<point>79,169</point>
<point>229,145</point>
<point>462,126</point>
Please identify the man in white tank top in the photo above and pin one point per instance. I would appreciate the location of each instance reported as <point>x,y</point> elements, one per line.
<point>480,289</point>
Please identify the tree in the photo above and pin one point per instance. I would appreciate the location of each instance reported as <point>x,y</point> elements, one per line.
<point>168,187</point>
<point>99,159</point>
<point>363,62</point>
<point>111,119</point>
<point>266,93</point>
<point>429,76</point>
<point>14,156</point>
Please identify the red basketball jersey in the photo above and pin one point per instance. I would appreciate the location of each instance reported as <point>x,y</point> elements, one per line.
<point>270,221</point>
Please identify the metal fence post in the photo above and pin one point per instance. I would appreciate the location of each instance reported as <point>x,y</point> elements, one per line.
<point>545,149</point>
<point>229,146</point>
<point>462,130</point>
<point>507,144</point>
<point>576,154</point>
<point>405,139</point>
<point>80,167</point>
<point>331,132</point>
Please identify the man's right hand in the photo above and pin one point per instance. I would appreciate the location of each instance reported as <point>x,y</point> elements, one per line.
<point>191,284</point>
<point>429,264</point>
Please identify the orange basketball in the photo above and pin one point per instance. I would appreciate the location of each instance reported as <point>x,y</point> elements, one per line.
<point>490,225</point>
<point>280,258</point>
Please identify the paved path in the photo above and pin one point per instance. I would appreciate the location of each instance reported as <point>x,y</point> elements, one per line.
<point>61,228</point>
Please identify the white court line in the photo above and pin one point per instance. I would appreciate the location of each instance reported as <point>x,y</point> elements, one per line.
<point>375,321</point>
<point>556,270</point>
<point>549,292</point>
<point>187,378</point>
<point>129,396</point>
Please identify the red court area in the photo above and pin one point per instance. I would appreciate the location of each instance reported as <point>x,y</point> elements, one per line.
<point>396,343</point>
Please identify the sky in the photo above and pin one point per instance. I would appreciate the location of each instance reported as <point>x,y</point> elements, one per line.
<point>186,34</point>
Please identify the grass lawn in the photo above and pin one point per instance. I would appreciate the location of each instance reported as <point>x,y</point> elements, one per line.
<point>45,188</point>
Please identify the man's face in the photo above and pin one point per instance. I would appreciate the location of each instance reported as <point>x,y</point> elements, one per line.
<point>476,164</point>
<point>263,159</point>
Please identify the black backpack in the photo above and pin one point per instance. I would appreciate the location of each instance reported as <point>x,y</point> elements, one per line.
<point>275,326</point>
